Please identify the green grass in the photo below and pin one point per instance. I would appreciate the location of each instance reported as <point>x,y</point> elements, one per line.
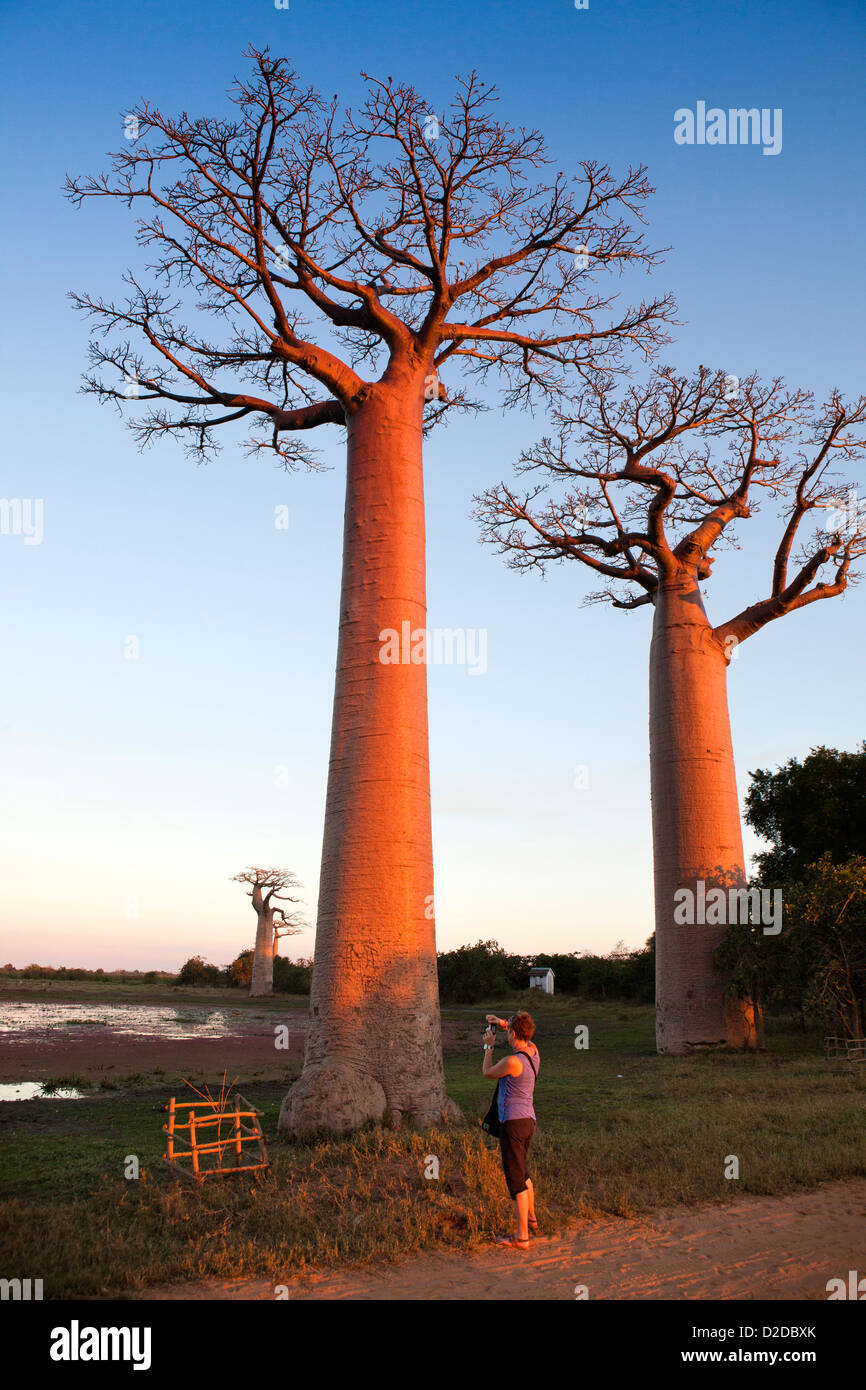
<point>621,1131</point>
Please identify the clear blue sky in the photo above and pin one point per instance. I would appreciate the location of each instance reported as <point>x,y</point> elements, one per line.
<point>144,785</point>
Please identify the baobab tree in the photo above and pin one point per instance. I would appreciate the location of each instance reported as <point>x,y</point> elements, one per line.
<point>640,484</point>
<point>410,242</point>
<point>267,890</point>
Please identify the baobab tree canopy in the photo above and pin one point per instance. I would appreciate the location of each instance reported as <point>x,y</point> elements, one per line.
<point>376,225</point>
<point>268,884</point>
<point>344,261</point>
<point>657,475</point>
<point>642,484</point>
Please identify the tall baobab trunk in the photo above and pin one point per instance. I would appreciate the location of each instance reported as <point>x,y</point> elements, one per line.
<point>262,982</point>
<point>696,821</point>
<point>374,1041</point>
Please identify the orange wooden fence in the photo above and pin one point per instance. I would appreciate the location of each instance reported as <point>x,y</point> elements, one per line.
<point>201,1153</point>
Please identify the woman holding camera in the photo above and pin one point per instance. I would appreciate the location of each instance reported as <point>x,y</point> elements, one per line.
<point>516,1075</point>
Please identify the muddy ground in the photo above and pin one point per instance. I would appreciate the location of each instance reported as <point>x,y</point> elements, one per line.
<point>95,1052</point>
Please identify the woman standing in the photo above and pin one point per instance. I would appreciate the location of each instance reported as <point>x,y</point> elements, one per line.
<point>516,1075</point>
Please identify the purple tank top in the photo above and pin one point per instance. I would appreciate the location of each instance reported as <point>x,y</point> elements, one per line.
<point>514,1097</point>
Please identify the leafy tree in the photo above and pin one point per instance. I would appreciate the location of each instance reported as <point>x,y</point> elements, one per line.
<point>517,970</point>
<point>292,977</point>
<point>807,810</point>
<point>472,972</point>
<point>198,971</point>
<point>817,964</point>
<point>827,915</point>
<point>637,977</point>
<point>240,972</point>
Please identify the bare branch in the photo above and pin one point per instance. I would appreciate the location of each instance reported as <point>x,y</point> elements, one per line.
<point>629,455</point>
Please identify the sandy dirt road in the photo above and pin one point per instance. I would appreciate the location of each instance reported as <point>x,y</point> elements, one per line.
<point>754,1248</point>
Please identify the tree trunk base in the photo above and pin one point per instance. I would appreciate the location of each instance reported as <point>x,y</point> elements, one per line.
<point>740,1025</point>
<point>338,1098</point>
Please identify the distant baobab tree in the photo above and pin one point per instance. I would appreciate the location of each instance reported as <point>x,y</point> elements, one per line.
<point>378,225</point>
<point>267,891</point>
<point>640,485</point>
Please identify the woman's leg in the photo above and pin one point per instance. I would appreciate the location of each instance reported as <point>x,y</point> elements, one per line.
<point>525,1199</point>
<point>531,1217</point>
<point>531,1190</point>
<point>521,1202</point>
<point>512,1142</point>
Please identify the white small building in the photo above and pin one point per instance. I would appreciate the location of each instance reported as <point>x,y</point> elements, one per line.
<point>540,977</point>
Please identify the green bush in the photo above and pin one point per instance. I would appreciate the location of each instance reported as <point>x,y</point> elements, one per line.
<point>197,971</point>
<point>240,972</point>
<point>292,977</point>
<point>484,970</point>
<point>472,972</point>
<point>66,972</point>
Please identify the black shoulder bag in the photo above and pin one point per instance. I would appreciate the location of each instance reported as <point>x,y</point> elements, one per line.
<point>490,1123</point>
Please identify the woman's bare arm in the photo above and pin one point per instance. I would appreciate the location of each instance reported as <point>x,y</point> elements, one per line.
<point>507,1067</point>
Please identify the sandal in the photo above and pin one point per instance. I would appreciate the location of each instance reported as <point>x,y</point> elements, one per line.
<point>532,1223</point>
<point>513,1243</point>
